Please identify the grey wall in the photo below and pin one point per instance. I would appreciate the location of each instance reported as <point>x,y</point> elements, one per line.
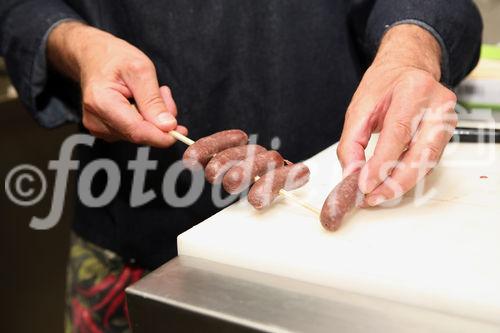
<point>490,10</point>
<point>32,263</point>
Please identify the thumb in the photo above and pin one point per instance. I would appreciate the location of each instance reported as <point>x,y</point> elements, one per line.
<point>166,94</point>
<point>143,83</point>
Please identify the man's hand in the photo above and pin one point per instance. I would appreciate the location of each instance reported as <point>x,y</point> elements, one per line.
<point>399,96</point>
<point>111,72</point>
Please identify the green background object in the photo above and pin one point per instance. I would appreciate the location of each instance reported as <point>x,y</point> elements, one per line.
<point>489,51</point>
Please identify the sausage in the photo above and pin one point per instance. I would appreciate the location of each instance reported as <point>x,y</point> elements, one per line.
<point>340,201</point>
<point>200,152</point>
<point>241,175</point>
<point>267,188</point>
<point>224,160</point>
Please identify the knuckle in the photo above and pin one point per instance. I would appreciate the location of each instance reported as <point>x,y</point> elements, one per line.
<point>168,90</point>
<point>439,134</point>
<point>350,110</point>
<point>140,65</point>
<point>153,101</point>
<point>452,118</point>
<point>353,112</point>
<point>340,152</point>
<point>404,187</point>
<point>423,85</point>
<point>356,115</point>
<point>89,99</point>
<point>450,96</point>
<point>98,134</point>
<point>92,100</point>
<point>86,121</point>
<point>419,80</point>
<point>433,152</point>
<point>133,135</point>
<point>447,93</point>
<point>402,131</point>
<point>348,116</point>
<point>90,124</point>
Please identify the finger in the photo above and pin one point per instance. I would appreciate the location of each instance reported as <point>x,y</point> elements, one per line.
<point>424,153</point>
<point>359,125</point>
<point>353,142</point>
<point>351,148</point>
<point>148,134</point>
<point>99,129</point>
<point>399,127</point>
<point>117,113</point>
<point>140,77</point>
<point>122,88</point>
<point>183,130</point>
<point>166,94</point>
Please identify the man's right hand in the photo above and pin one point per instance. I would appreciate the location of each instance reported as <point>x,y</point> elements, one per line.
<point>111,72</point>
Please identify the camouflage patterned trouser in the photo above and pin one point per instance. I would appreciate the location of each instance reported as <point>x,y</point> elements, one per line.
<point>95,288</point>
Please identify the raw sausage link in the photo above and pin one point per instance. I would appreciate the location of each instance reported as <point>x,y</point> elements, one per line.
<point>340,201</point>
<point>200,152</point>
<point>241,175</point>
<point>224,160</point>
<point>267,188</point>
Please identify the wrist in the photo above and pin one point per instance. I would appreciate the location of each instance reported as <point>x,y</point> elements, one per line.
<point>66,46</point>
<point>412,46</point>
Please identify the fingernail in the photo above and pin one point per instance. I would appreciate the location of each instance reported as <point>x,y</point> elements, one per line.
<point>375,200</point>
<point>165,119</point>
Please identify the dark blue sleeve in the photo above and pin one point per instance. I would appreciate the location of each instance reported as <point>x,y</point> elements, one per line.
<point>456,24</point>
<point>24,28</point>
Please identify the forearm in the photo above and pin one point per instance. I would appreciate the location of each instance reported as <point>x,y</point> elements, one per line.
<point>413,46</point>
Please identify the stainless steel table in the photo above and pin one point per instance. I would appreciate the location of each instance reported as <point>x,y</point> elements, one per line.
<point>195,295</point>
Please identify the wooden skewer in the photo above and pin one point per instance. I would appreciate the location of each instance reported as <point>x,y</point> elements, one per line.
<point>300,202</point>
<point>181,137</point>
<point>284,193</point>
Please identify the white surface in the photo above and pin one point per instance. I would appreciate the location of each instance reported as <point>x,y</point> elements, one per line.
<point>441,254</point>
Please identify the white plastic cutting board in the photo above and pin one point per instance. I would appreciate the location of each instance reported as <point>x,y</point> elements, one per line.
<point>443,253</point>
